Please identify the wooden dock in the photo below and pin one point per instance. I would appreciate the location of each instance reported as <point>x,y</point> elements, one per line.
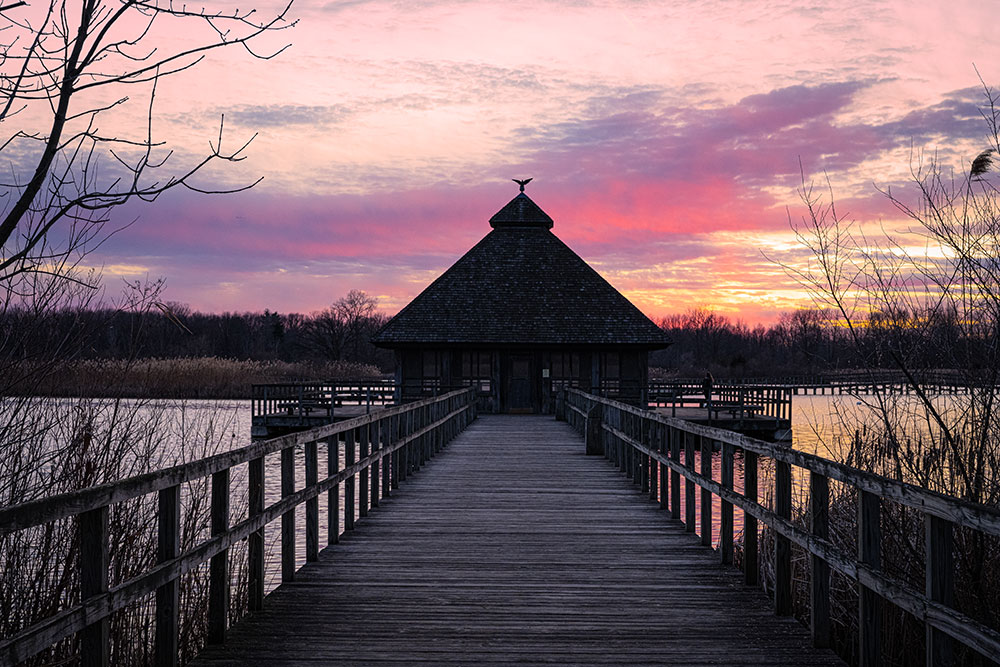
<point>512,546</point>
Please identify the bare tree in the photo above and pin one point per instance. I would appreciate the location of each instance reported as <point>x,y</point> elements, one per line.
<point>922,312</point>
<point>67,69</point>
<point>343,331</point>
<point>64,68</point>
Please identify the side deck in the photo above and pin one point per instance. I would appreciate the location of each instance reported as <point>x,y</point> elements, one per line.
<point>512,546</point>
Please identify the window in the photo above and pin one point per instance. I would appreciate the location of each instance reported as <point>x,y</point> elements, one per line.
<point>565,365</point>
<point>477,369</point>
<point>432,369</point>
<point>610,365</point>
<point>477,364</point>
<point>610,373</point>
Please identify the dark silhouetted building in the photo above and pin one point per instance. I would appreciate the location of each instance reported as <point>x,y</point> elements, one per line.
<point>519,316</point>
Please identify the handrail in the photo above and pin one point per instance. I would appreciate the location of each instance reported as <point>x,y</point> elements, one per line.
<point>400,440</point>
<point>647,446</point>
<point>758,400</point>
<point>317,399</point>
<point>846,378</point>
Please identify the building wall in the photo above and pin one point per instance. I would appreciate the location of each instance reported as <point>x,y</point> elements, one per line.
<point>523,379</point>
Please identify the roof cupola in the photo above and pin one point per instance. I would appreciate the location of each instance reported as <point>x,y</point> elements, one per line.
<point>521,212</point>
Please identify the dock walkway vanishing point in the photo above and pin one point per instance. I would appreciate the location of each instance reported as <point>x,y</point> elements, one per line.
<point>514,547</point>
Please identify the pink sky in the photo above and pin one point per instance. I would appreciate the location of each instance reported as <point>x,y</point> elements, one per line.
<point>664,139</point>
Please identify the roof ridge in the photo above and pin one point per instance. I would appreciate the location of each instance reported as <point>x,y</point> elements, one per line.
<point>521,211</point>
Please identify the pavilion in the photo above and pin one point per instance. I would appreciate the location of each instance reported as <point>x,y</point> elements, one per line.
<point>520,316</point>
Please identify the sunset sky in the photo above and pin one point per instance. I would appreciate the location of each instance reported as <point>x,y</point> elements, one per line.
<point>664,139</point>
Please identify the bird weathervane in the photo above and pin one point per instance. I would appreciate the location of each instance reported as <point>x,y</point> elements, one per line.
<point>522,183</point>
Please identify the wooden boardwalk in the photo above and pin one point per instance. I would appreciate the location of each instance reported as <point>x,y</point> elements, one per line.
<point>512,546</point>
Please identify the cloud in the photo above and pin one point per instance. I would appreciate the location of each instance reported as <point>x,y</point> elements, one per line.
<point>273,115</point>
<point>670,201</point>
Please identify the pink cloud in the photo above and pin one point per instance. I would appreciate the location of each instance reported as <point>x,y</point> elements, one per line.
<point>626,187</point>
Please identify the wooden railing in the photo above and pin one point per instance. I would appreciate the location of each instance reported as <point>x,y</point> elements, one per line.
<point>648,447</point>
<point>852,381</point>
<point>316,399</point>
<point>745,400</point>
<point>383,448</point>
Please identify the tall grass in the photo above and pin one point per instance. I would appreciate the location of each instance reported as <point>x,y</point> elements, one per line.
<point>917,458</point>
<point>82,443</point>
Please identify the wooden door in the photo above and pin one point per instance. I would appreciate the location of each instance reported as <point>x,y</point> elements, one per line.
<point>519,385</point>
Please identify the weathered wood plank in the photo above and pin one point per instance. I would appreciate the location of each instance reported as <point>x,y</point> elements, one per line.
<point>513,546</point>
<point>819,606</point>
<point>255,542</point>
<point>218,578</point>
<point>168,595</point>
<point>869,616</point>
<point>782,545</point>
<point>940,585</point>
<point>93,526</point>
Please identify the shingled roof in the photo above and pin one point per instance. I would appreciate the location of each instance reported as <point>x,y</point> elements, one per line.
<point>521,285</point>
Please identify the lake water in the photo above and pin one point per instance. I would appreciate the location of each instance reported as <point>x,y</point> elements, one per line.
<point>194,428</point>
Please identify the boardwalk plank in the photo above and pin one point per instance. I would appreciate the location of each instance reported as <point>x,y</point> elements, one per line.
<point>513,547</point>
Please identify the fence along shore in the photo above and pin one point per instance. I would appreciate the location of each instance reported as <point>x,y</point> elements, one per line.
<point>383,448</point>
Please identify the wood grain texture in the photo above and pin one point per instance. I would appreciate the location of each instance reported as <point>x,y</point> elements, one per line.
<point>514,547</point>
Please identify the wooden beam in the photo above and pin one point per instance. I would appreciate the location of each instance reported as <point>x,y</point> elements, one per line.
<point>312,505</point>
<point>255,542</point>
<point>751,562</point>
<point>218,573</point>
<point>939,586</point>
<point>706,495</point>
<point>726,518</point>
<point>819,603</point>
<point>288,518</point>
<point>782,545</point>
<point>869,615</point>
<point>168,521</point>
<point>93,527</point>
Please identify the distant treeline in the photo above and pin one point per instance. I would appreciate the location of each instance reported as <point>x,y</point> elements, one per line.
<point>802,342</point>
<point>812,341</point>
<point>339,333</point>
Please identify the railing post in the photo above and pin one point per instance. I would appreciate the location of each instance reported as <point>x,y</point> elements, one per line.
<point>312,505</point>
<point>302,417</point>
<point>726,528</point>
<point>93,527</point>
<point>940,585</point>
<point>610,443</point>
<point>561,405</point>
<point>406,426</point>
<point>349,441</point>
<point>750,548</point>
<point>644,459</point>
<point>651,441</point>
<point>255,541</point>
<point>782,545</point>
<point>167,596</point>
<point>395,425</point>
<point>288,518</point>
<point>869,538</point>
<point>662,436</point>
<point>424,446</point>
<point>266,404</point>
<point>819,607</point>
<point>675,435</point>
<point>333,495</point>
<point>218,578</point>
<point>706,495</point>
<point>594,430</point>
<point>385,438</point>
<point>364,441</point>
<point>689,508</point>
